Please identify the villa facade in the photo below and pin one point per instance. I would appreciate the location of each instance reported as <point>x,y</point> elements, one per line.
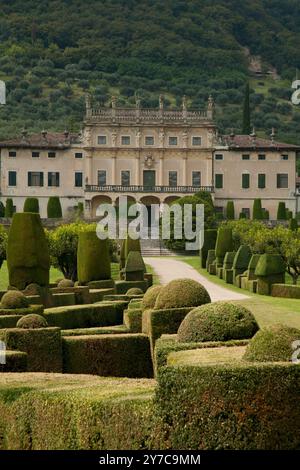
<point>151,156</point>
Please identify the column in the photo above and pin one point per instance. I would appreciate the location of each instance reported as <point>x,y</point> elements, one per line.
<point>184,176</point>
<point>113,170</point>
<point>88,209</point>
<point>137,170</point>
<point>89,168</point>
<point>161,170</point>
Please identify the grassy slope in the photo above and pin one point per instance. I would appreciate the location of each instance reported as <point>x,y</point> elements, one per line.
<point>267,310</point>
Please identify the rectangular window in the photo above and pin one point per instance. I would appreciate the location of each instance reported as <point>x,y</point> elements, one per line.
<point>125,140</point>
<point>51,154</point>
<point>35,154</point>
<point>125,178</point>
<point>245,181</point>
<point>246,156</point>
<point>172,140</point>
<point>149,140</point>
<point>78,155</point>
<point>284,157</point>
<point>261,156</point>
<point>196,178</point>
<point>35,178</point>
<point>261,180</point>
<point>219,181</point>
<point>246,211</point>
<point>173,178</point>
<point>102,140</point>
<point>196,141</point>
<point>12,154</point>
<point>282,180</point>
<point>12,178</point>
<point>78,179</point>
<point>101,177</point>
<point>218,156</point>
<point>53,179</point>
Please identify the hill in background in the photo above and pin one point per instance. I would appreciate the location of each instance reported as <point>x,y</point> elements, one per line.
<point>53,52</point>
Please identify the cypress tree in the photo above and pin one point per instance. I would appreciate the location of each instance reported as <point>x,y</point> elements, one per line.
<point>9,208</point>
<point>54,210</point>
<point>230,210</point>
<point>281,211</point>
<point>293,225</point>
<point>2,209</point>
<point>257,210</point>
<point>246,112</point>
<point>31,204</point>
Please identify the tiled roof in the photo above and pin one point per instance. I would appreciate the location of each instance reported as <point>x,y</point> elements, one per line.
<point>42,140</point>
<point>248,142</point>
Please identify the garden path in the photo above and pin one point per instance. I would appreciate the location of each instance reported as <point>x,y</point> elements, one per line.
<point>168,269</point>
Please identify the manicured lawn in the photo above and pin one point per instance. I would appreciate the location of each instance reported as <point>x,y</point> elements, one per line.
<point>267,310</point>
<point>56,274</point>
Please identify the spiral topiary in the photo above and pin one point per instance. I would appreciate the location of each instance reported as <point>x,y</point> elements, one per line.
<point>32,321</point>
<point>65,283</point>
<point>134,291</point>
<point>13,299</point>
<point>150,297</point>
<point>182,293</point>
<point>274,343</point>
<point>218,321</point>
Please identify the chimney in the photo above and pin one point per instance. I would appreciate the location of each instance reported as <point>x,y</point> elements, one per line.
<point>44,134</point>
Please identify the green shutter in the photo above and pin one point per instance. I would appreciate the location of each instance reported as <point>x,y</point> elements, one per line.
<point>41,178</point>
<point>29,178</point>
<point>261,181</point>
<point>245,181</point>
<point>219,181</point>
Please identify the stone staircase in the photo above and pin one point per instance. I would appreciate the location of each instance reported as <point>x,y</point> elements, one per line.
<point>155,248</point>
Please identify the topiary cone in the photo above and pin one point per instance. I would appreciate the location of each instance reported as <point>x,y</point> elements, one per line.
<point>28,259</point>
<point>93,262</point>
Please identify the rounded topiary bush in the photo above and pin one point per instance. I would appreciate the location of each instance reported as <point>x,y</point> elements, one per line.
<point>31,204</point>
<point>134,291</point>
<point>274,343</point>
<point>182,293</point>
<point>218,321</point>
<point>32,321</point>
<point>65,283</point>
<point>150,297</point>
<point>14,299</point>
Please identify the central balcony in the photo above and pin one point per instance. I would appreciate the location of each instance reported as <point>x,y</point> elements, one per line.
<point>91,188</point>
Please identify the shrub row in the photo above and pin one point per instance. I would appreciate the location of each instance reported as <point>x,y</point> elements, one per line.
<point>42,412</point>
<point>84,316</point>
<point>119,355</point>
<point>238,406</point>
<point>285,290</point>
<point>42,345</point>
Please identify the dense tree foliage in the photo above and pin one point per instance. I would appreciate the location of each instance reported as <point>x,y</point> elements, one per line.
<point>52,52</point>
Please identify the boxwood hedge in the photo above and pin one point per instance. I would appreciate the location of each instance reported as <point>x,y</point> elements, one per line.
<point>120,355</point>
<point>54,412</point>
<point>233,405</point>
<point>42,345</point>
<point>84,316</point>
<point>218,321</point>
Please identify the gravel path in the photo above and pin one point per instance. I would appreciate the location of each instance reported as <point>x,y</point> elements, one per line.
<point>168,269</point>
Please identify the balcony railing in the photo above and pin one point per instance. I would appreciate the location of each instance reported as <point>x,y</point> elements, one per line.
<point>147,115</point>
<point>92,188</point>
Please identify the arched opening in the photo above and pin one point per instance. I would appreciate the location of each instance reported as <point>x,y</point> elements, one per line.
<point>149,201</point>
<point>170,199</point>
<point>97,200</point>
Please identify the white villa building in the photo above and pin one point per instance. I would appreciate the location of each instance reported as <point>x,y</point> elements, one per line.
<point>149,155</point>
